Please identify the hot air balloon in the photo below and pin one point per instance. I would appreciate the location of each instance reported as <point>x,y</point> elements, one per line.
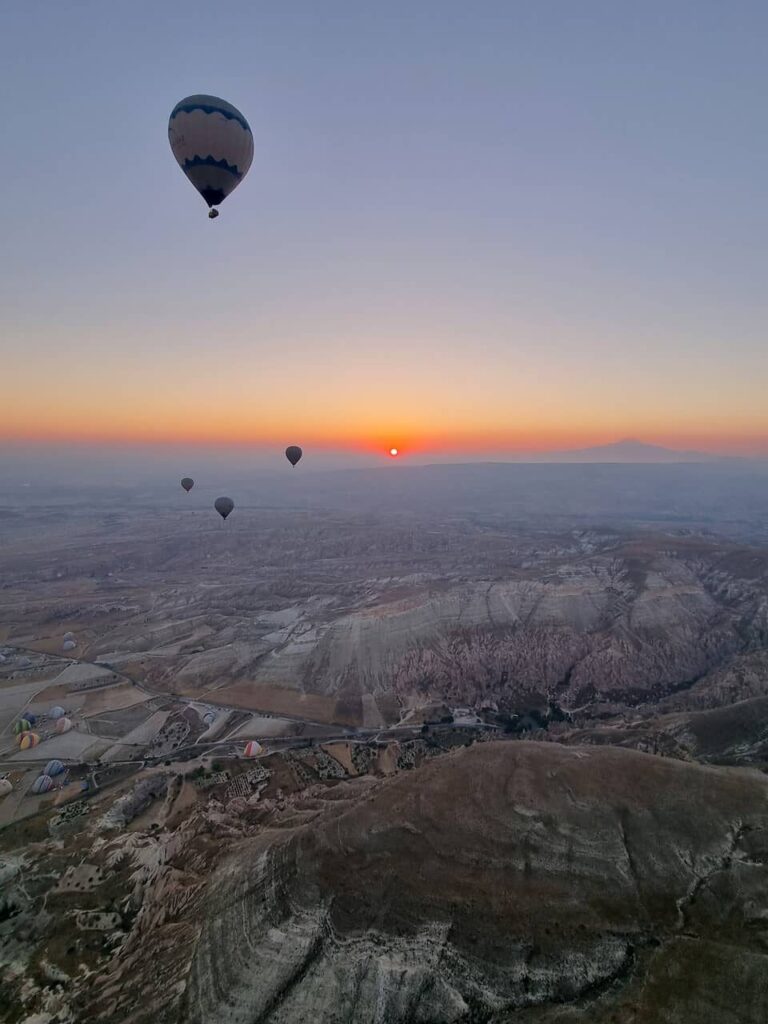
<point>69,636</point>
<point>63,725</point>
<point>213,145</point>
<point>23,725</point>
<point>252,749</point>
<point>42,784</point>
<point>5,787</point>
<point>187,483</point>
<point>68,645</point>
<point>30,717</point>
<point>293,453</point>
<point>54,767</point>
<point>209,717</point>
<point>28,740</point>
<point>223,506</point>
<point>57,711</point>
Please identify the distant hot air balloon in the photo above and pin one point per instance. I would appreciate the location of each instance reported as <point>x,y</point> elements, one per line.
<point>63,725</point>
<point>69,636</point>
<point>28,740</point>
<point>57,711</point>
<point>5,787</point>
<point>54,767</point>
<point>293,453</point>
<point>68,645</point>
<point>30,717</point>
<point>213,145</point>
<point>23,725</point>
<point>223,506</point>
<point>42,784</point>
<point>252,748</point>
<point>187,483</point>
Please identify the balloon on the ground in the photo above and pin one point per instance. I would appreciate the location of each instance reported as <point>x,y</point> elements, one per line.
<point>28,740</point>
<point>68,645</point>
<point>54,767</point>
<point>213,145</point>
<point>57,711</point>
<point>187,483</point>
<point>293,453</point>
<point>5,787</point>
<point>252,748</point>
<point>63,725</point>
<point>209,718</point>
<point>23,725</point>
<point>42,784</point>
<point>223,506</point>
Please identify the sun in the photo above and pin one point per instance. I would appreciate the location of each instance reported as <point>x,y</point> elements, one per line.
<point>393,452</point>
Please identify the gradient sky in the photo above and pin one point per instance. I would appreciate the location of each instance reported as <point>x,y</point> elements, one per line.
<point>468,227</point>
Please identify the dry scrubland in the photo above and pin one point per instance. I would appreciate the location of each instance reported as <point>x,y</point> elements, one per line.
<point>401,851</point>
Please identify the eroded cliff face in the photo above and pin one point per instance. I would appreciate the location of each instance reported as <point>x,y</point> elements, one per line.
<point>568,883</point>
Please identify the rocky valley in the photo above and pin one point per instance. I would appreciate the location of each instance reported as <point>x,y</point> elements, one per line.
<point>381,765</point>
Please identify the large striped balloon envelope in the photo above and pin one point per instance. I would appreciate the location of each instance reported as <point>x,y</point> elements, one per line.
<point>213,145</point>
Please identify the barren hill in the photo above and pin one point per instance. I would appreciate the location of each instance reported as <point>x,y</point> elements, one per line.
<point>518,881</point>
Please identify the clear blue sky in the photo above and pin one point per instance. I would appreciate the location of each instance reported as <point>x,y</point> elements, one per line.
<point>479,225</point>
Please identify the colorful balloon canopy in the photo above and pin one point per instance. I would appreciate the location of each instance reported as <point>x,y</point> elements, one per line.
<point>63,725</point>
<point>54,768</point>
<point>213,145</point>
<point>42,784</point>
<point>57,711</point>
<point>23,725</point>
<point>28,740</point>
<point>187,483</point>
<point>293,453</point>
<point>30,717</point>
<point>223,506</point>
<point>252,748</point>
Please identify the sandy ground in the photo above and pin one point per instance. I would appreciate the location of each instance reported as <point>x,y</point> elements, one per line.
<point>341,753</point>
<point>259,726</point>
<point>261,697</point>
<point>13,700</point>
<point>90,702</point>
<point>14,806</point>
<point>372,718</point>
<point>71,746</point>
<point>386,762</point>
<point>78,673</point>
<point>139,737</point>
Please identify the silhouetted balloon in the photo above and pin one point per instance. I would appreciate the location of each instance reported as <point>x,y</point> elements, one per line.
<point>213,145</point>
<point>187,483</point>
<point>293,453</point>
<point>223,506</point>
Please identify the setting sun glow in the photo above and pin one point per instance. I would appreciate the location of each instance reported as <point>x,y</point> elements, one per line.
<point>393,452</point>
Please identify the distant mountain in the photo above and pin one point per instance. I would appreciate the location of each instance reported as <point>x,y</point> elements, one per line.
<point>629,450</point>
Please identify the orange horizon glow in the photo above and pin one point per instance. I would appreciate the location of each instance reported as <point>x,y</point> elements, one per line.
<point>465,443</point>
